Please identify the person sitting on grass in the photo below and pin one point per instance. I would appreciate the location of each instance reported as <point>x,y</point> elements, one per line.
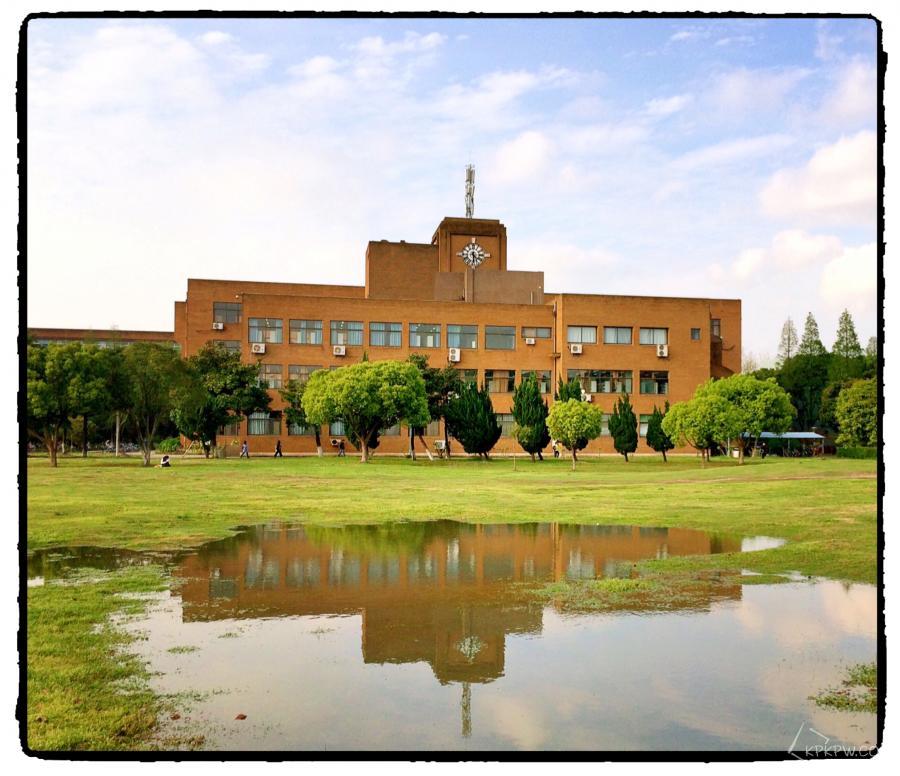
<point>164,463</point>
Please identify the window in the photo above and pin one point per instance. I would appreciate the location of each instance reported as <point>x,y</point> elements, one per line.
<point>392,431</point>
<point>500,337</point>
<point>542,377</point>
<point>300,372</point>
<point>337,428</point>
<point>305,332</point>
<point>583,334</point>
<point>616,335</point>
<point>346,333</point>
<point>500,380</point>
<point>715,326</point>
<point>654,336</point>
<point>264,424</point>
<point>536,332</point>
<point>266,330</point>
<point>695,334</point>
<point>654,382</point>
<point>424,335</point>
<point>586,377</point>
<point>433,429</point>
<point>231,429</point>
<point>270,375</point>
<point>604,425</point>
<point>614,381</point>
<point>507,423</point>
<point>462,336</point>
<point>295,429</point>
<point>644,422</point>
<point>227,312</point>
<point>232,346</point>
<point>468,376</point>
<point>385,335</point>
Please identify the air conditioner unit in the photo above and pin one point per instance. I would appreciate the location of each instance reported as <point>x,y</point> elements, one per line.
<point>530,340</point>
<point>586,396</point>
<point>575,348</point>
<point>339,350</point>
<point>453,355</point>
<point>662,351</point>
<point>258,347</point>
<point>218,326</point>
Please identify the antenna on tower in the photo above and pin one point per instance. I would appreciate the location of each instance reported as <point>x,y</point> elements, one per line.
<point>470,191</point>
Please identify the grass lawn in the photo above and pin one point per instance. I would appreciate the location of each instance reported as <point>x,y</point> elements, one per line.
<point>825,508</point>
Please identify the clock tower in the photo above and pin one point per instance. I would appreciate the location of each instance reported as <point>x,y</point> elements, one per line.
<point>470,244</point>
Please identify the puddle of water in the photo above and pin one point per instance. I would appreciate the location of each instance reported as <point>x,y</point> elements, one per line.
<point>424,636</point>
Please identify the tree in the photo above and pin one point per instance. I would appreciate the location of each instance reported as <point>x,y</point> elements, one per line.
<point>441,385</point>
<point>568,390</point>
<point>221,387</point>
<point>749,362</point>
<point>804,378</point>
<point>367,397</point>
<point>88,387</point>
<point>811,344</point>
<point>118,388</point>
<point>846,343</point>
<point>760,405</point>
<point>294,414</point>
<point>574,423</point>
<point>157,376</point>
<point>530,412</point>
<point>872,348</point>
<point>787,348</point>
<point>857,414</point>
<point>50,371</point>
<point>472,421</point>
<point>702,422</point>
<point>623,426</point>
<point>658,439</point>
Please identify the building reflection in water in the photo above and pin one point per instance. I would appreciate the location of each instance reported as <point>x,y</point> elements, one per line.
<point>444,593</point>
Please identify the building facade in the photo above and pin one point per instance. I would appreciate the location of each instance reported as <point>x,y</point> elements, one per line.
<point>103,338</point>
<point>455,300</point>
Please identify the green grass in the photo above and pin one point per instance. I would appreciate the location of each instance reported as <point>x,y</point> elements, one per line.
<point>858,692</point>
<point>826,509</point>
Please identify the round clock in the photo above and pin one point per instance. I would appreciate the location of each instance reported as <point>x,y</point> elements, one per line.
<point>473,254</point>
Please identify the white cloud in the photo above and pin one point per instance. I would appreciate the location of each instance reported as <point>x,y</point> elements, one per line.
<point>732,151</point>
<point>853,100</point>
<point>742,92</point>
<point>682,35</point>
<point>522,158</point>
<point>411,43</point>
<point>314,67</point>
<point>748,262</point>
<point>740,40</point>
<point>828,45</point>
<point>838,185</point>
<point>794,248</point>
<point>850,280</point>
<point>666,106</point>
<point>215,38</point>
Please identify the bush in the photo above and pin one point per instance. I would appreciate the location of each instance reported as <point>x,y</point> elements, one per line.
<point>169,445</point>
<point>857,452</point>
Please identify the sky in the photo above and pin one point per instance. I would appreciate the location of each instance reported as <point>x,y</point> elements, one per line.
<point>730,158</point>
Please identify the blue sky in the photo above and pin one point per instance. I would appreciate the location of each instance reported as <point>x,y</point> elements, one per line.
<point>731,158</point>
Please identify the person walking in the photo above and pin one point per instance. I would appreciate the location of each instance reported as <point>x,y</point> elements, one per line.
<point>341,449</point>
<point>278,449</point>
<point>555,449</point>
<point>245,450</point>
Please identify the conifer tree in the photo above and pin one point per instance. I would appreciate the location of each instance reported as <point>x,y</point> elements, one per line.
<point>623,426</point>
<point>811,344</point>
<point>846,344</point>
<point>568,390</point>
<point>787,348</point>
<point>530,412</point>
<point>472,421</point>
<point>658,439</point>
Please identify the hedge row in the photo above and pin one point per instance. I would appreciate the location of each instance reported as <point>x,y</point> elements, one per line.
<point>857,452</point>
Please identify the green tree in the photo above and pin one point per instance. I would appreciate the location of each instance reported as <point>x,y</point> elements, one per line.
<point>760,405</point>
<point>441,385</point>
<point>530,412</point>
<point>472,420</point>
<point>294,414</point>
<point>857,414</point>
<point>623,426</point>
<point>846,343</point>
<point>157,376</point>
<point>804,378</point>
<point>220,389</point>
<point>702,422</point>
<point>89,387</point>
<point>787,347</point>
<point>367,397</point>
<point>568,390</point>
<point>118,389</point>
<point>50,371</point>
<point>574,423</point>
<point>658,439</point>
<point>811,344</point>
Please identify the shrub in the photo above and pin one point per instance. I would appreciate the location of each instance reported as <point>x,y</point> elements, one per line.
<point>857,452</point>
<point>169,445</point>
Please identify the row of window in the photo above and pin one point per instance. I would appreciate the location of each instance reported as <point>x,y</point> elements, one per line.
<point>504,380</point>
<point>269,424</point>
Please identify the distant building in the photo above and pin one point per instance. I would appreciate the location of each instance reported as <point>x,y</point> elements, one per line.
<point>103,338</point>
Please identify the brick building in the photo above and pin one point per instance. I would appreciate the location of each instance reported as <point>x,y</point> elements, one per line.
<point>455,300</point>
<point>103,338</point>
